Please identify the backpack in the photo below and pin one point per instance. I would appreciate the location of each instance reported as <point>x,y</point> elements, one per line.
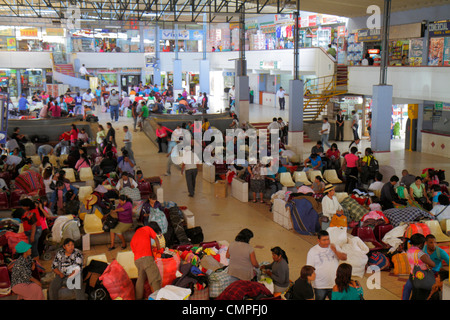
<point>380,260</point>
<point>373,166</point>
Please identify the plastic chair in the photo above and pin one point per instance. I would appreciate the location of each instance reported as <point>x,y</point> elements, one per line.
<point>331,176</point>
<point>86,174</point>
<point>36,160</point>
<point>312,174</point>
<point>286,179</point>
<point>366,234</point>
<point>83,192</point>
<point>92,224</point>
<point>100,257</point>
<point>54,161</point>
<point>435,229</point>
<point>300,176</point>
<point>70,174</point>
<point>126,260</point>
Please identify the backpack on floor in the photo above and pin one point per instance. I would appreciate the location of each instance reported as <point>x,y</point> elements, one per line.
<point>380,260</point>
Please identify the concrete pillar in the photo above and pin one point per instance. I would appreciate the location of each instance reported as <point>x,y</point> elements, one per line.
<point>295,134</point>
<point>157,68</point>
<point>419,127</point>
<point>177,78</point>
<point>242,99</point>
<point>381,118</point>
<point>204,76</point>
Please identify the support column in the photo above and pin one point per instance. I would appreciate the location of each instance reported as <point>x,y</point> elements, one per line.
<point>419,126</point>
<point>295,134</point>
<point>381,118</point>
<point>177,69</point>
<point>204,63</point>
<point>157,68</point>
<point>241,83</point>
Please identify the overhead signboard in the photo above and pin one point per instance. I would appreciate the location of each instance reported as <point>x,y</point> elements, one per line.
<point>439,29</point>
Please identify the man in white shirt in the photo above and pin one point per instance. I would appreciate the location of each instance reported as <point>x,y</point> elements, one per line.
<point>127,140</point>
<point>88,99</point>
<point>83,72</point>
<point>355,125</point>
<point>377,185</point>
<point>280,96</point>
<point>324,257</point>
<point>190,166</point>
<point>325,132</point>
<point>441,211</point>
<point>275,125</point>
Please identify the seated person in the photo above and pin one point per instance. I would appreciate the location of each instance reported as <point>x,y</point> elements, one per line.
<point>389,198</point>
<point>407,179</point>
<point>126,181</point>
<point>318,149</point>
<point>418,193</point>
<point>333,156</point>
<point>183,105</point>
<point>318,185</point>
<point>125,164</point>
<point>332,209</point>
<point>377,185</point>
<point>441,211</point>
<point>436,193</point>
<point>315,163</point>
<point>83,136</point>
<point>151,203</point>
<point>108,164</point>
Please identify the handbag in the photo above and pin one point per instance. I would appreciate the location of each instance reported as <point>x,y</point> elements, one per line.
<point>110,223</point>
<point>422,279</point>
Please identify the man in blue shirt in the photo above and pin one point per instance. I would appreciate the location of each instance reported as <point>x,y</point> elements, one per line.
<point>436,254</point>
<point>23,102</point>
<point>155,88</point>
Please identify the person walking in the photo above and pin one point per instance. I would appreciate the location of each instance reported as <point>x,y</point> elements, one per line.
<point>88,101</point>
<point>190,166</point>
<point>114,102</point>
<point>355,125</point>
<point>134,114</point>
<point>98,97</point>
<point>325,132</point>
<point>127,141</point>
<point>280,95</point>
<point>324,258</point>
<point>340,126</point>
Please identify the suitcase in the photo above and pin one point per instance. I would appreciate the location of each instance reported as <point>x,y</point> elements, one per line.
<point>5,281</point>
<point>145,189</point>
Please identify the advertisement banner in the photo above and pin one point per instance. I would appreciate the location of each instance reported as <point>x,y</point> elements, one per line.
<point>7,32</point>
<point>11,44</point>
<point>182,34</point>
<point>368,35</point>
<point>29,32</point>
<point>58,32</point>
<point>439,29</point>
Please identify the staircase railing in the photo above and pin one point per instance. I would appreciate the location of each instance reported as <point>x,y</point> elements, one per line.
<point>319,91</point>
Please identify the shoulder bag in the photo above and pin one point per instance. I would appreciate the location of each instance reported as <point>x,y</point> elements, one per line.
<point>422,279</point>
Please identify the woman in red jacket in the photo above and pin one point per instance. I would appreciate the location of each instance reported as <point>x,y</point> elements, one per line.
<point>162,135</point>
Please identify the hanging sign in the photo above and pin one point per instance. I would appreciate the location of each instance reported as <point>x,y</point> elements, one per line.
<point>438,29</point>
<point>29,32</point>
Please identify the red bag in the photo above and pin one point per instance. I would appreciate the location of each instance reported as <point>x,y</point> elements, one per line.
<point>14,238</point>
<point>418,227</point>
<point>168,268</point>
<point>115,279</point>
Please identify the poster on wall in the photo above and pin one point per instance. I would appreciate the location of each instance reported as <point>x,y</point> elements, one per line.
<point>436,52</point>
<point>11,44</point>
<point>415,52</point>
<point>447,52</point>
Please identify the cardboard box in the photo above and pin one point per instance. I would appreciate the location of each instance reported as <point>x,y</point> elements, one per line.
<point>221,189</point>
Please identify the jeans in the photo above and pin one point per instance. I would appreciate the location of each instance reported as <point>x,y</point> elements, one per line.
<point>114,112</point>
<point>355,132</point>
<point>325,140</point>
<point>78,110</point>
<point>34,245</point>
<point>339,132</point>
<point>99,100</point>
<point>407,289</point>
<point>57,283</point>
<point>282,103</point>
<point>191,175</point>
<point>322,294</point>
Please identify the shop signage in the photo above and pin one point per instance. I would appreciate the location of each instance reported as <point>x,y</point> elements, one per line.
<point>312,21</point>
<point>11,44</point>
<point>447,52</point>
<point>439,29</point>
<point>326,19</point>
<point>29,32</point>
<point>58,32</point>
<point>106,71</point>
<point>269,65</point>
<point>446,107</point>
<point>439,106</point>
<point>7,32</point>
<point>281,18</point>
<point>268,28</point>
<point>367,35</point>
<point>228,74</point>
<point>130,70</point>
<point>182,34</point>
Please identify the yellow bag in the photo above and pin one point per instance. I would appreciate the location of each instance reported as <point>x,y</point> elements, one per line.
<point>338,221</point>
<point>401,264</point>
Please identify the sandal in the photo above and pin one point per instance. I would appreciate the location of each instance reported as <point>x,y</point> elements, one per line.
<point>254,201</point>
<point>123,248</point>
<point>111,248</point>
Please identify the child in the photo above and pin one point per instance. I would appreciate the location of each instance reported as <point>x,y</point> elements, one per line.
<point>162,241</point>
<point>436,290</point>
<point>436,192</point>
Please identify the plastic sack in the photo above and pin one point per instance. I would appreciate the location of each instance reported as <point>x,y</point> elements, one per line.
<point>168,268</point>
<point>394,237</point>
<point>170,292</point>
<point>14,238</point>
<point>356,251</point>
<point>338,235</point>
<point>115,279</point>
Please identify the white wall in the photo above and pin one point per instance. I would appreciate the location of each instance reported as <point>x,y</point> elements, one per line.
<point>418,83</point>
<point>26,60</point>
<point>110,59</point>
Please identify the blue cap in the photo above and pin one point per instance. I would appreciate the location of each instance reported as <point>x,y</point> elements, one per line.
<point>22,247</point>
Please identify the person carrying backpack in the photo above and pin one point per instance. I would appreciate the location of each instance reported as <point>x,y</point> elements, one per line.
<point>369,167</point>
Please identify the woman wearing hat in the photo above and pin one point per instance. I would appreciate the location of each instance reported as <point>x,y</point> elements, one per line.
<point>22,282</point>
<point>332,209</point>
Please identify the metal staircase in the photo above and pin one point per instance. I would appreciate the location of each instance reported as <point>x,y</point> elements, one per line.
<point>319,91</point>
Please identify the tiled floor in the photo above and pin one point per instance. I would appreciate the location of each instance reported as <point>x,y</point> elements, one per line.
<point>222,219</point>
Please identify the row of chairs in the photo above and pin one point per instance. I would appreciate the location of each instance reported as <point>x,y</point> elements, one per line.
<point>288,180</point>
